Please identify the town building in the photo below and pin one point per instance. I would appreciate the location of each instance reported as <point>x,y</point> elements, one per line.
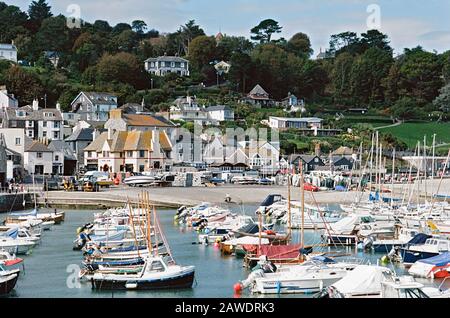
<point>308,162</point>
<point>220,113</point>
<point>7,100</point>
<point>284,123</point>
<point>64,158</point>
<point>8,52</point>
<point>163,65</point>
<point>94,106</point>
<point>53,57</point>
<point>78,141</point>
<point>187,109</point>
<point>38,159</point>
<point>3,162</point>
<point>258,97</point>
<point>292,104</point>
<point>38,123</point>
<point>121,121</point>
<point>129,151</point>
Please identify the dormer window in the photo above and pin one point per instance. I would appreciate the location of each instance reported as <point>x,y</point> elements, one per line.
<point>182,64</point>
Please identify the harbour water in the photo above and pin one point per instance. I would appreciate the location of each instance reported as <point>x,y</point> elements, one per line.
<point>50,271</point>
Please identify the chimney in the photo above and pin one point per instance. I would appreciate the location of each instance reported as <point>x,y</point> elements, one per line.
<point>35,105</point>
<point>116,113</point>
<point>95,134</point>
<point>110,132</point>
<point>317,151</point>
<point>155,142</point>
<point>58,106</point>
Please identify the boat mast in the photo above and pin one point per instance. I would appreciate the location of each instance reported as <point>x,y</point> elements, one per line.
<point>302,188</point>
<point>426,167</point>
<point>434,153</point>
<point>289,202</point>
<point>392,178</point>
<point>34,194</point>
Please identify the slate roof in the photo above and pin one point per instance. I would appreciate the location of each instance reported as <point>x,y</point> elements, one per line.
<point>100,98</point>
<point>31,114</point>
<point>258,93</point>
<point>37,146</point>
<point>217,108</point>
<point>166,59</point>
<point>84,134</point>
<point>61,146</point>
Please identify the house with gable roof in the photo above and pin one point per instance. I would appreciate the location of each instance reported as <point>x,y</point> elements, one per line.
<point>94,106</point>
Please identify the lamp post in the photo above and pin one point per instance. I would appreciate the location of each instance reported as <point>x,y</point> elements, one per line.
<point>151,80</point>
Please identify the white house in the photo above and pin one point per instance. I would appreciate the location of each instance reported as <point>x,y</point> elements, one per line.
<point>8,52</point>
<point>7,100</point>
<point>163,65</point>
<point>284,123</point>
<point>38,123</point>
<point>38,159</point>
<point>187,109</point>
<point>220,113</point>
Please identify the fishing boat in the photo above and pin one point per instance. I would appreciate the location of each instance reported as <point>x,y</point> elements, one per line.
<point>306,278</point>
<point>157,273</point>
<point>433,267</point>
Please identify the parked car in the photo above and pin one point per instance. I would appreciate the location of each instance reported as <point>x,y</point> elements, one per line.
<point>310,187</point>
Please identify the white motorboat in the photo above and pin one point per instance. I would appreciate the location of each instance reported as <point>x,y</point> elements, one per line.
<point>16,246</point>
<point>140,180</point>
<point>306,278</point>
<point>379,282</point>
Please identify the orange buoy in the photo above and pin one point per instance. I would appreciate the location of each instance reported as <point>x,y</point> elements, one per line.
<point>237,288</point>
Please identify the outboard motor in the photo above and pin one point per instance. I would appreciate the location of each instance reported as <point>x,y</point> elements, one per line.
<point>368,243</point>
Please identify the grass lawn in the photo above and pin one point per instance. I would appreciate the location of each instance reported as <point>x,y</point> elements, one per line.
<point>411,133</point>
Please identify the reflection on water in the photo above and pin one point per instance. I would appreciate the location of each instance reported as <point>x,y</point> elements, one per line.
<point>47,273</point>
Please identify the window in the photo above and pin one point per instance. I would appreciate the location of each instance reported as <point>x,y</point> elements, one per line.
<point>182,64</point>
<point>39,155</point>
<point>55,135</point>
<point>141,153</point>
<point>30,133</point>
<point>56,158</point>
<point>105,154</point>
<point>56,124</point>
<point>17,141</point>
<point>13,123</point>
<point>172,64</point>
<point>141,168</point>
<point>44,124</point>
<point>152,64</point>
<point>44,134</point>
<point>129,154</point>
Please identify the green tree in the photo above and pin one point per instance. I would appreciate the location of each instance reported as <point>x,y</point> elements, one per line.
<point>24,85</point>
<point>341,76</point>
<point>12,23</point>
<point>53,35</point>
<point>38,11</point>
<point>442,102</point>
<point>122,68</point>
<point>202,51</point>
<point>139,26</point>
<point>374,38</point>
<point>300,45</point>
<point>368,73</point>
<point>345,42</point>
<point>263,31</point>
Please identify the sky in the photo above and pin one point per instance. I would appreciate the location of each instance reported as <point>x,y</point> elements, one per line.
<point>407,22</point>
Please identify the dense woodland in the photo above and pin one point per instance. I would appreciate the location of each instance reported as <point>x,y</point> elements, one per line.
<point>362,71</point>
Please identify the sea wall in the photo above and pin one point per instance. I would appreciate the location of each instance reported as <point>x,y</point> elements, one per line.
<point>14,202</point>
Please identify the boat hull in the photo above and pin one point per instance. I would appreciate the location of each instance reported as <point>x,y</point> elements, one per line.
<point>183,281</point>
<point>8,285</point>
<point>409,257</point>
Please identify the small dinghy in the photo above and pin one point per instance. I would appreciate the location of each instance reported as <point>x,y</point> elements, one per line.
<point>10,261</point>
